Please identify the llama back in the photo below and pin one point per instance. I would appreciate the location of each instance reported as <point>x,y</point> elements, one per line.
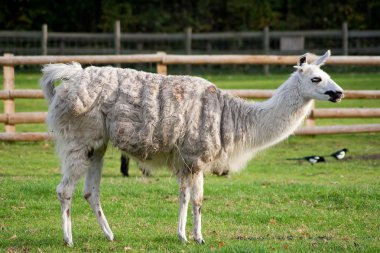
<point>155,114</point>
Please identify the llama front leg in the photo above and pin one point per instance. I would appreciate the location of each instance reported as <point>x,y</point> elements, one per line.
<point>91,192</point>
<point>184,198</point>
<point>197,198</point>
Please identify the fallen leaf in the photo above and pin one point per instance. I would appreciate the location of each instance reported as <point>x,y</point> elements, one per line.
<point>127,248</point>
<point>12,249</point>
<point>13,237</point>
<point>221,244</point>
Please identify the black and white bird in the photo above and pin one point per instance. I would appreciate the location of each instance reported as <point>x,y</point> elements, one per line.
<point>311,159</point>
<point>340,154</point>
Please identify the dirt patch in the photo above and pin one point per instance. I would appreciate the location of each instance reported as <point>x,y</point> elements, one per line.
<point>211,89</point>
<point>178,92</point>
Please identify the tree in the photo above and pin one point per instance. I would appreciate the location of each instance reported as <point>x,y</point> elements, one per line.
<point>174,16</point>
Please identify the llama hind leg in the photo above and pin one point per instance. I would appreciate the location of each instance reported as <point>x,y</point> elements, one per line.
<point>184,198</point>
<point>73,168</point>
<point>197,198</point>
<point>91,191</point>
<point>65,193</point>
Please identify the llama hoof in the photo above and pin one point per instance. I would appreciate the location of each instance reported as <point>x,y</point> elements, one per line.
<point>110,237</point>
<point>69,243</point>
<point>199,241</point>
<point>182,238</point>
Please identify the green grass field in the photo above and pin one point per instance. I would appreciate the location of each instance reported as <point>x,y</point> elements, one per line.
<point>274,205</point>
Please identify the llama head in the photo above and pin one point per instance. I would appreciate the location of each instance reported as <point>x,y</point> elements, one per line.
<point>314,82</point>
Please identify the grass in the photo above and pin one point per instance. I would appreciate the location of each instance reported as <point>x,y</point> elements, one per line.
<point>274,205</point>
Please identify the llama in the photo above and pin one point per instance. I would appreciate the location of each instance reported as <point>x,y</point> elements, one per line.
<point>181,122</point>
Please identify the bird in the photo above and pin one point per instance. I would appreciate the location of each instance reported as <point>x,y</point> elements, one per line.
<point>311,159</point>
<point>340,154</point>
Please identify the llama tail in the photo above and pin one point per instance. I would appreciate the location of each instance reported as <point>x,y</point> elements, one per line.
<point>54,72</point>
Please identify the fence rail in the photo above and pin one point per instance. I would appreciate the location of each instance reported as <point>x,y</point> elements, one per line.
<point>10,118</point>
<point>184,59</point>
<point>23,118</point>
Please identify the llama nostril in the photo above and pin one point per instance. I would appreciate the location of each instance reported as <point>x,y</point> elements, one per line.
<point>334,93</point>
<point>330,93</point>
<point>339,94</point>
<point>335,96</point>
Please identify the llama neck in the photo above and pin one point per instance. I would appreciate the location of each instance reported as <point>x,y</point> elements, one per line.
<point>275,119</point>
<point>251,127</point>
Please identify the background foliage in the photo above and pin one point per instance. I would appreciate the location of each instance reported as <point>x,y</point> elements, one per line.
<point>173,16</point>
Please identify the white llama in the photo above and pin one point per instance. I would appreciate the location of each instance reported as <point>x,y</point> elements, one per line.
<point>182,122</point>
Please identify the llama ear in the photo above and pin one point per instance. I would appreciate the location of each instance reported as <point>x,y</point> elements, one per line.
<point>321,60</point>
<point>302,60</point>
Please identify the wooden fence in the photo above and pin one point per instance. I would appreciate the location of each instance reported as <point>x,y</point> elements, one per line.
<point>342,41</point>
<point>10,118</point>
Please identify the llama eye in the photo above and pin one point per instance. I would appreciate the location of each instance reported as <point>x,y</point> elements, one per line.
<point>316,79</point>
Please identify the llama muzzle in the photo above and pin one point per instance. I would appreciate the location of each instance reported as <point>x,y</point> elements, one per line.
<point>335,96</point>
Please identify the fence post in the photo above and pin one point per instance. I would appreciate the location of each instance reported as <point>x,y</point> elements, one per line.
<point>310,121</point>
<point>188,40</point>
<point>140,47</point>
<point>161,67</point>
<point>209,51</point>
<point>266,45</point>
<point>44,39</point>
<point>345,38</point>
<point>9,84</point>
<point>117,37</point>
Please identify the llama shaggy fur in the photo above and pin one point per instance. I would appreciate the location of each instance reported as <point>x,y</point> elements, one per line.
<point>184,123</point>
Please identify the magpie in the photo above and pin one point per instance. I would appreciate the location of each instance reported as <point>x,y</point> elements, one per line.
<point>311,159</point>
<point>340,154</point>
